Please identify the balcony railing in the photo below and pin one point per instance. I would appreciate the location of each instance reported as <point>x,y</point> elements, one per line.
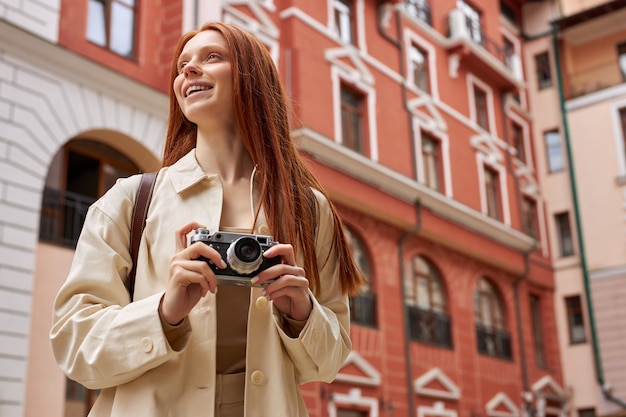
<point>363,309</point>
<point>430,327</point>
<point>62,216</point>
<point>596,78</point>
<point>470,30</point>
<point>494,342</point>
<point>419,9</point>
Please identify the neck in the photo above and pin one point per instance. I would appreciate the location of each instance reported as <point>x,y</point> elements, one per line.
<point>223,153</point>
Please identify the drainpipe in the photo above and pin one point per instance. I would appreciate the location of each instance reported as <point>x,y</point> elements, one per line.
<point>407,326</point>
<point>604,386</point>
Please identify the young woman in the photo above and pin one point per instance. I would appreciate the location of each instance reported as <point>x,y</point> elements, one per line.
<point>183,348</point>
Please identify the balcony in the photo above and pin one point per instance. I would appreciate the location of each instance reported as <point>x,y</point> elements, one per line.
<point>430,327</point>
<point>62,216</point>
<point>419,9</point>
<point>363,309</point>
<point>468,45</point>
<point>596,78</point>
<point>494,342</point>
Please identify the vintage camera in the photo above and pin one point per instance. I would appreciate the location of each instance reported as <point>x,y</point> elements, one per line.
<point>242,252</point>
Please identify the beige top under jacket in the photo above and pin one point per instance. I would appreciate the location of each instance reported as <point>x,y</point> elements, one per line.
<point>105,342</point>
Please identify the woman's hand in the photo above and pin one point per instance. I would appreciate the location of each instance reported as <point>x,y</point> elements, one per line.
<point>290,292</point>
<point>190,279</point>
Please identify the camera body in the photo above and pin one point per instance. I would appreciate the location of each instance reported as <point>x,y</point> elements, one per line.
<point>242,252</point>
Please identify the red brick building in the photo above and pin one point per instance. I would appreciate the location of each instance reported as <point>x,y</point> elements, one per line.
<point>414,114</point>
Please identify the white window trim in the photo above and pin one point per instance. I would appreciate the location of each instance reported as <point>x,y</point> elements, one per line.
<point>525,137</point>
<point>358,20</point>
<point>353,398</point>
<point>472,81</point>
<point>444,142</point>
<point>411,38</point>
<point>338,77</point>
<point>487,160</point>
<point>437,410</point>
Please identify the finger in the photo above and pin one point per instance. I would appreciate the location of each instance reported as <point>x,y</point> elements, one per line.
<point>181,234</point>
<point>284,250</point>
<point>200,249</point>
<point>186,272</point>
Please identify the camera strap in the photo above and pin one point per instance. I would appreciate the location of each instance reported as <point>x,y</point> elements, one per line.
<point>138,222</point>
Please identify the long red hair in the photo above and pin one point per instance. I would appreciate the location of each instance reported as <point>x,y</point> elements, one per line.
<point>261,111</point>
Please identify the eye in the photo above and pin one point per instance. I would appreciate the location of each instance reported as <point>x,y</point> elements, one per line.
<point>212,56</point>
<point>181,66</point>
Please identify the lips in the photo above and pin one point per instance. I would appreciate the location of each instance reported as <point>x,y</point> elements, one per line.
<point>193,88</point>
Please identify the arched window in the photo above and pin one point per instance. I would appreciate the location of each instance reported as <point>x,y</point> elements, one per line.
<point>492,335</point>
<point>80,173</point>
<point>426,301</point>
<point>363,305</point>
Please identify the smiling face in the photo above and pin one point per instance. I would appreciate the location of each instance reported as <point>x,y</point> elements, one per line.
<point>203,86</point>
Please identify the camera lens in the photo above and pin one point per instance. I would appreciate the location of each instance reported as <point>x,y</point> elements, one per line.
<point>244,255</point>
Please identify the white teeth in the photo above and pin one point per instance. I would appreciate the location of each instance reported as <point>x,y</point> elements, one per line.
<point>194,88</point>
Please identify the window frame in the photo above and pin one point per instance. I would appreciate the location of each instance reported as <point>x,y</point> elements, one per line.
<point>431,323</point>
<point>108,7</point>
<point>494,329</point>
<point>420,72</point>
<point>537,329</point>
<point>344,12</point>
<point>432,162</point>
<point>357,141</point>
<point>530,218</point>
<point>550,145</point>
<point>481,107</point>
<point>543,70</point>
<point>493,197</point>
<point>564,233</point>
<point>366,300</point>
<point>575,312</point>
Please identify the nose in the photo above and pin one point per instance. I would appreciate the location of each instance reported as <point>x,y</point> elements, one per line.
<point>191,68</point>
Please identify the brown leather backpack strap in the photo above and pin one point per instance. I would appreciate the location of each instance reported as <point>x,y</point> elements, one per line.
<point>140,212</point>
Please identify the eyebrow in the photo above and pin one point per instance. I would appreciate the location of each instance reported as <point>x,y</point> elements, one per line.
<point>204,48</point>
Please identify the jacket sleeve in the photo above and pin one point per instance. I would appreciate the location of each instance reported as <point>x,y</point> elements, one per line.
<point>324,343</point>
<point>98,337</point>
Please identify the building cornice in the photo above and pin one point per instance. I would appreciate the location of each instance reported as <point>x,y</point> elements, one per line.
<point>406,189</point>
<point>38,52</point>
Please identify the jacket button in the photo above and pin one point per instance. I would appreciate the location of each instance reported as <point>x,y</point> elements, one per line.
<point>264,229</point>
<point>257,377</point>
<point>146,344</point>
<point>261,303</point>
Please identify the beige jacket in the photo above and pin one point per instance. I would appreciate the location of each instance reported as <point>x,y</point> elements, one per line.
<point>105,342</point>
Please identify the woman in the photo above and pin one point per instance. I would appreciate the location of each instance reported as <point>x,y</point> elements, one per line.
<point>183,348</point>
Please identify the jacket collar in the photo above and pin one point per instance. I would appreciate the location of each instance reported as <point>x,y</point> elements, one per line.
<point>186,172</point>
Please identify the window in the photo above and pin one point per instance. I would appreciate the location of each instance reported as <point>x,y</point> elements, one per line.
<point>529,217</point>
<point>492,192</point>
<point>344,20</point>
<point>480,104</point>
<point>517,133</point>
<point>508,51</point>
<point>418,60</point>
<point>544,73</point>
<point>111,24</point>
<point>622,117</point>
<point>78,399</point>
<point>564,234</point>
<point>535,316</point>
<point>621,59</point>
<point>419,9</point>
<point>425,299</point>
<point>80,173</point>
<point>491,333</point>
<point>352,413</point>
<point>508,12</point>
<point>431,160</point>
<point>575,319</point>
<point>472,20</point>
<point>587,412</point>
<point>352,119</point>
<point>363,305</point>
<point>554,151</point>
